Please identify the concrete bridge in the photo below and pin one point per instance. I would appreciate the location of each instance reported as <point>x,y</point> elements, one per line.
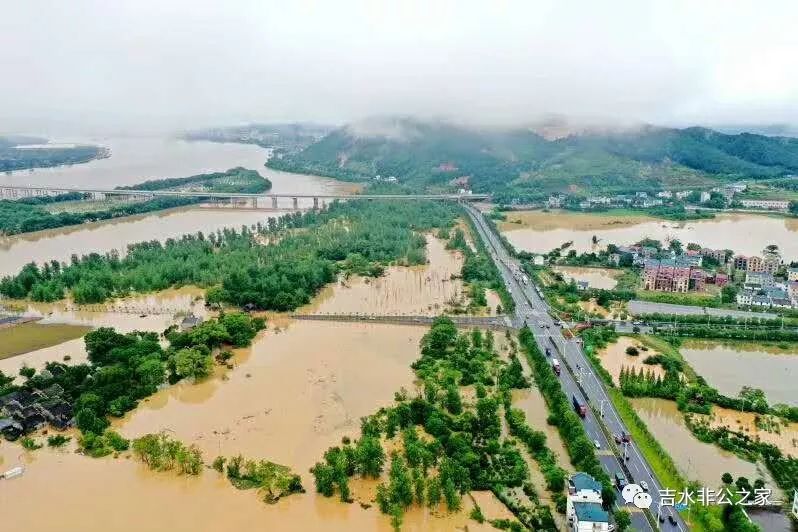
<point>485,322</point>
<point>239,199</point>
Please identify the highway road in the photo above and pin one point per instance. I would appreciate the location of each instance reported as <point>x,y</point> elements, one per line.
<point>533,310</point>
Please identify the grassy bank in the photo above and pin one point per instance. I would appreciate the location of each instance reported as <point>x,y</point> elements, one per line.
<point>32,336</point>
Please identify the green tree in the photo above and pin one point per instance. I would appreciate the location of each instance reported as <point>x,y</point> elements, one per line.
<point>623,520</point>
<point>192,362</point>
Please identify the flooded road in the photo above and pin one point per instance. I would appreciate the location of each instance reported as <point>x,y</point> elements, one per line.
<point>695,459</point>
<point>730,366</point>
<point>540,232</point>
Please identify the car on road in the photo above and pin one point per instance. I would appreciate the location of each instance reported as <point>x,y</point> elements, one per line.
<point>617,438</point>
<point>643,484</point>
<point>625,438</point>
<point>597,444</point>
<point>671,520</point>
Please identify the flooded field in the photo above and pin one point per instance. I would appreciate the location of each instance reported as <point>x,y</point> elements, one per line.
<point>697,460</point>
<point>541,232</point>
<point>730,366</point>
<point>595,277</point>
<point>534,406</point>
<point>122,495</point>
<point>297,390</point>
<point>782,434</point>
<point>614,358</point>
<point>27,337</point>
<point>418,290</point>
<point>152,312</point>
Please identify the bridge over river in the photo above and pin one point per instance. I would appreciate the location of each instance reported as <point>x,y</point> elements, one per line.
<point>487,322</point>
<point>239,199</point>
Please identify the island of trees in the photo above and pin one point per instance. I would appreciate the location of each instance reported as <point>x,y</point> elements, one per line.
<point>22,153</point>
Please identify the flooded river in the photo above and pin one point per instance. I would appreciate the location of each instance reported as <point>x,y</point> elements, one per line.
<point>541,232</point>
<point>730,366</point>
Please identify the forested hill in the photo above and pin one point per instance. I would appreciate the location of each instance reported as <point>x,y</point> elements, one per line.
<point>519,162</point>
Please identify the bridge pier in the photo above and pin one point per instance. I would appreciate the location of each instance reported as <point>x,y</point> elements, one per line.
<point>315,204</point>
<point>274,202</point>
<point>296,203</point>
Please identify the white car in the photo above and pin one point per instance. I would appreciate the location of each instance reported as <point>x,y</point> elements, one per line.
<point>643,484</point>
<point>598,446</point>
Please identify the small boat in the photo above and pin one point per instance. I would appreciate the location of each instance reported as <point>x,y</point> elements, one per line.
<point>13,472</point>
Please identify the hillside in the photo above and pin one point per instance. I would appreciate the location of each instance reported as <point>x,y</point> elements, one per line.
<point>21,153</point>
<point>520,163</point>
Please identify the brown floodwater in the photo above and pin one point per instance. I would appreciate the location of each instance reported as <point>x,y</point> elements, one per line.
<point>540,232</point>
<point>695,459</point>
<point>728,366</point>
<point>297,390</point>
<point>595,277</point>
<point>534,406</point>
<point>417,290</point>
<point>783,434</point>
<point>159,310</point>
<point>614,357</point>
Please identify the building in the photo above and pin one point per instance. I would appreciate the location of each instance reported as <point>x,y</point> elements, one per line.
<point>583,508</point>
<point>665,194</point>
<point>705,196</point>
<point>772,205</point>
<point>582,285</point>
<point>189,322</point>
<point>759,280</point>
<point>720,279</point>
<point>740,262</point>
<point>755,264</point>
<point>556,201</point>
<point>771,261</point>
<point>716,254</point>
<point>792,290</point>
<point>683,194</point>
<point>792,274</point>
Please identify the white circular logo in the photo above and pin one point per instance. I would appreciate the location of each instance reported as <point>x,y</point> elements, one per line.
<point>642,500</point>
<point>629,491</point>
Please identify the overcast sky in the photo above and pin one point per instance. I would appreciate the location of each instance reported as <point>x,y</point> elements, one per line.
<point>141,65</point>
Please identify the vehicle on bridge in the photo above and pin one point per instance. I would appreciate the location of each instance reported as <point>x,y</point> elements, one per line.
<point>555,365</point>
<point>620,480</point>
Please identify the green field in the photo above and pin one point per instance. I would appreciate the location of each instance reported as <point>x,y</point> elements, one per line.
<point>28,337</point>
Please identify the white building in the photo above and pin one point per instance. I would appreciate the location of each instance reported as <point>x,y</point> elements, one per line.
<point>705,196</point>
<point>665,194</point>
<point>773,205</point>
<point>584,510</point>
<point>792,274</point>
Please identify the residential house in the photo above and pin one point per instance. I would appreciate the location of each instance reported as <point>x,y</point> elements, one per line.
<point>665,194</point>
<point>717,254</point>
<point>189,322</point>
<point>755,264</point>
<point>720,279</point>
<point>740,262</point>
<point>584,510</point>
<point>683,194</point>
<point>759,280</point>
<point>771,262</point>
<point>792,290</point>
<point>705,196</point>
<point>772,205</point>
<point>582,285</point>
<point>792,274</point>
<point>556,201</point>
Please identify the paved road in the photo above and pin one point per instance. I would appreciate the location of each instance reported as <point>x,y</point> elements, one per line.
<point>533,310</point>
<point>649,307</point>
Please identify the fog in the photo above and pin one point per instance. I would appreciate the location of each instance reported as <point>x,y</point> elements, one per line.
<point>139,66</point>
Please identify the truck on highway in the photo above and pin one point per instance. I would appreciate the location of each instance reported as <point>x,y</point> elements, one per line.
<point>524,279</point>
<point>579,408</point>
<point>555,365</point>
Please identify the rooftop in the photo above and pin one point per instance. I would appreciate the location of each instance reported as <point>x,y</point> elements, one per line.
<point>590,512</point>
<point>583,481</point>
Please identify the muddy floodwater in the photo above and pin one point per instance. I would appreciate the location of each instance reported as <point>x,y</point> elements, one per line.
<point>595,277</point>
<point>614,358</point>
<point>417,290</point>
<point>780,433</point>
<point>695,459</point>
<point>730,366</point>
<point>531,402</point>
<point>296,391</point>
<point>541,232</point>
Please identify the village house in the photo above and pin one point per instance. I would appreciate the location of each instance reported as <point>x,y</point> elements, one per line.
<point>771,205</point>
<point>584,509</point>
<point>792,274</point>
<point>672,275</point>
<point>717,254</point>
<point>759,280</point>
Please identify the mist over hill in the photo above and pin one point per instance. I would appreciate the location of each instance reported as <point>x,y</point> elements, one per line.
<point>529,161</point>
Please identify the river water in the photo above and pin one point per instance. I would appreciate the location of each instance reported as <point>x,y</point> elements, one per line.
<point>540,232</point>
<point>136,160</point>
